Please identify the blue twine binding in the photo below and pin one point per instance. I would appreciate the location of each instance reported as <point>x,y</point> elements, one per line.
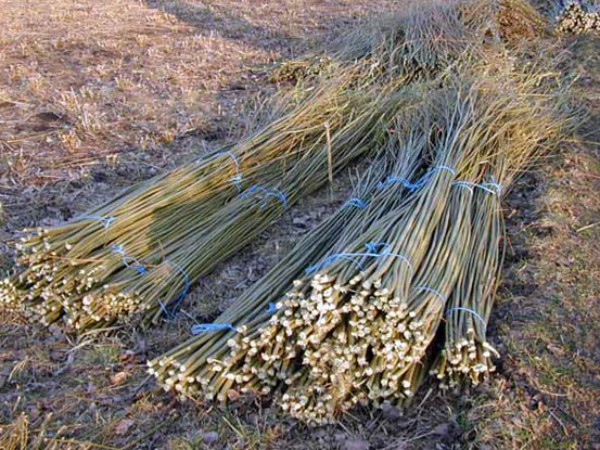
<point>496,186</point>
<point>486,189</point>
<point>403,258</point>
<point>465,184</point>
<point>492,188</point>
<point>460,308</point>
<point>180,297</point>
<point>210,327</point>
<point>236,179</point>
<point>266,192</point>
<point>331,258</point>
<point>355,201</point>
<point>433,291</point>
<point>106,220</point>
<point>449,169</point>
<point>372,247</point>
<point>394,179</point>
<point>372,251</point>
<point>418,184</point>
<point>128,258</point>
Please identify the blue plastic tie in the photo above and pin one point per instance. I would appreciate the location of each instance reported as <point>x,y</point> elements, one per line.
<point>373,246</point>
<point>236,179</point>
<point>394,179</point>
<point>235,159</point>
<point>106,220</point>
<point>372,251</point>
<point>492,188</point>
<point>486,187</point>
<point>355,201</point>
<point>180,297</point>
<point>449,169</point>
<point>418,184</point>
<point>127,258</point>
<point>251,190</point>
<point>433,291</point>
<point>331,258</point>
<point>460,308</point>
<point>210,327</point>
<point>272,308</point>
<point>277,194</point>
<point>403,258</point>
<point>266,192</point>
<point>465,184</point>
<point>497,185</point>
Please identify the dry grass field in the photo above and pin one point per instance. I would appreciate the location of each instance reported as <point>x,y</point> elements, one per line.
<point>97,95</point>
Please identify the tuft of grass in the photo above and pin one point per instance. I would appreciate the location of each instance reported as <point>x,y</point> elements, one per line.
<point>15,435</point>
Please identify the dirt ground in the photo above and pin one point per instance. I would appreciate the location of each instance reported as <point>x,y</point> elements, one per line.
<point>97,95</point>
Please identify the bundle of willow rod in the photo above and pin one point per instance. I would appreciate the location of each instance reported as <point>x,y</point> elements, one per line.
<point>332,335</point>
<point>65,260</point>
<point>140,251</point>
<point>141,275</point>
<point>467,355</point>
<point>219,236</point>
<point>419,39</point>
<point>255,306</point>
<point>577,16</point>
<point>535,123</point>
<point>359,326</point>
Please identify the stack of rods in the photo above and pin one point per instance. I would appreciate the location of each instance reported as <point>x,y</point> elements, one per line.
<point>147,254</point>
<point>420,40</point>
<point>467,356</point>
<point>212,240</point>
<point>136,255</point>
<point>360,325</point>
<point>398,284</point>
<point>577,17</point>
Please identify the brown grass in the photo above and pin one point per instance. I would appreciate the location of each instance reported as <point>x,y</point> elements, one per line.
<point>84,82</point>
<point>548,318</point>
<point>16,435</point>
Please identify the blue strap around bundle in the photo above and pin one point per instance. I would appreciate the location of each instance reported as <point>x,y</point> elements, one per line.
<point>106,220</point>
<point>418,184</point>
<point>264,193</point>
<point>171,311</point>
<point>352,257</point>
<point>355,201</point>
<point>470,311</point>
<point>201,328</point>
<point>437,293</point>
<point>128,260</point>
